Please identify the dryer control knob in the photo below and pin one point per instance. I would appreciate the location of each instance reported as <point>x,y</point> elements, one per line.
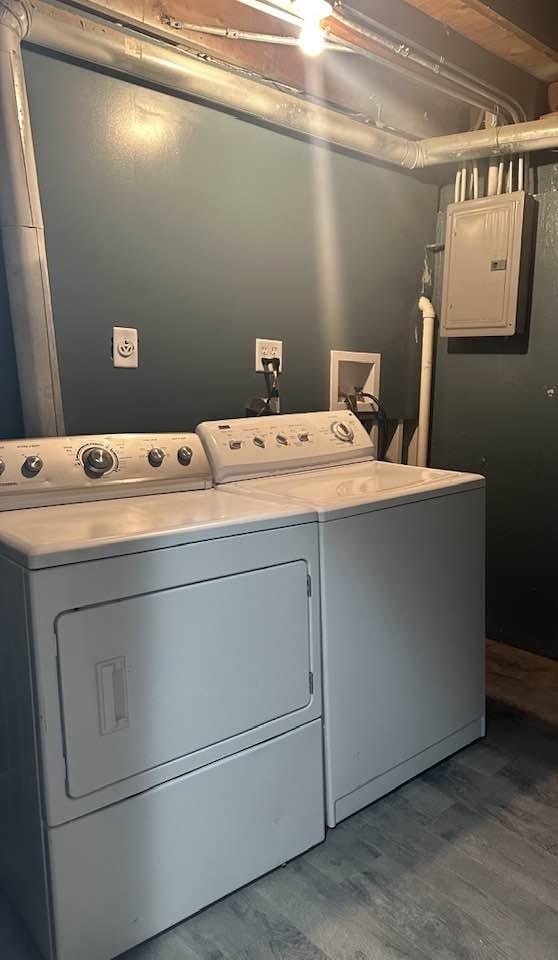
<point>97,461</point>
<point>2,467</point>
<point>259,441</point>
<point>156,457</point>
<point>343,431</point>
<point>184,456</point>
<point>32,466</point>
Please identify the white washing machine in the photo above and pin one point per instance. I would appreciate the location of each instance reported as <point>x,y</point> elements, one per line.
<point>402,586</point>
<point>160,688</point>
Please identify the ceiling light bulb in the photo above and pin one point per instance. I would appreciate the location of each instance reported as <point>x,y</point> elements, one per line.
<point>312,38</point>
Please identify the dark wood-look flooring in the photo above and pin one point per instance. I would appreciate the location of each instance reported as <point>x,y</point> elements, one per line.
<point>459,864</point>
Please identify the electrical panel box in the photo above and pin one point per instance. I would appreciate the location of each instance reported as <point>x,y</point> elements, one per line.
<point>487,266</point>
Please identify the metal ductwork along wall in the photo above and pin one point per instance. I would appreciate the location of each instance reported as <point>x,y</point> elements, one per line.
<point>178,68</point>
<point>23,240</point>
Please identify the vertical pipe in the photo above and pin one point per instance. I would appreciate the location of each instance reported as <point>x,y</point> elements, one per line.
<point>425,400</point>
<point>475,181</point>
<point>457,191</point>
<point>509,179</point>
<point>23,237</point>
<point>521,173</point>
<point>492,185</point>
<point>500,184</point>
<point>463,184</point>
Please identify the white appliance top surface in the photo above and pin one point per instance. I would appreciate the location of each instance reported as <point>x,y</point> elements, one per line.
<point>54,535</point>
<point>356,488</point>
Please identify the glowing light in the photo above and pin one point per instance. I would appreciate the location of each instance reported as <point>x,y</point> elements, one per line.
<point>312,37</point>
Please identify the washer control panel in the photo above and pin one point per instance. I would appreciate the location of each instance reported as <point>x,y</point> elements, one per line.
<point>262,446</point>
<point>55,470</point>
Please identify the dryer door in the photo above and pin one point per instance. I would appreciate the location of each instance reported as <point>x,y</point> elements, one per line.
<point>155,677</point>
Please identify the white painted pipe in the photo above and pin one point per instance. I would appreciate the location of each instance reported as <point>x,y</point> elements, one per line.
<point>463,184</point>
<point>521,173</point>
<point>425,399</point>
<point>23,237</point>
<point>500,185</point>
<point>457,191</point>
<point>492,184</point>
<point>509,181</point>
<point>475,181</point>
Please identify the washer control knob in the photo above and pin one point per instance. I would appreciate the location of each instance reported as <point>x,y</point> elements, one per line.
<point>184,456</point>
<point>343,431</point>
<point>97,461</point>
<point>282,439</point>
<point>304,437</point>
<point>156,457</point>
<point>2,467</point>
<point>259,441</point>
<point>235,444</point>
<point>32,466</point>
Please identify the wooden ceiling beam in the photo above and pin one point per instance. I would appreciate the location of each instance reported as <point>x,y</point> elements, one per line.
<point>480,22</point>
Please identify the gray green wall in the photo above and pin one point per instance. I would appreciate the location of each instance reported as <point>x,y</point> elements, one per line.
<point>496,412</point>
<point>205,231</point>
<point>10,409</point>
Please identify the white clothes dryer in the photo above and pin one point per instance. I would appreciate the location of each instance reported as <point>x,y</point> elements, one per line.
<point>160,672</point>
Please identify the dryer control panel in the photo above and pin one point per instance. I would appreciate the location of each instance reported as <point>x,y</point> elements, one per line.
<point>263,446</point>
<point>55,470</point>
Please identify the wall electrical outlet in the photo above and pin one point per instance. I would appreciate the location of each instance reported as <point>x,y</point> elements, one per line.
<point>267,349</point>
<point>124,347</point>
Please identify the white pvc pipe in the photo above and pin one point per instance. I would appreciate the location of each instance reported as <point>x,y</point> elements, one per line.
<point>500,185</point>
<point>521,173</point>
<point>425,400</point>
<point>492,185</point>
<point>509,181</point>
<point>23,237</point>
<point>463,184</point>
<point>475,181</point>
<point>457,191</point>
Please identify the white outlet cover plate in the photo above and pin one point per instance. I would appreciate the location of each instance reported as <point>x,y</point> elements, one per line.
<point>125,347</point>
<point>268,348</point>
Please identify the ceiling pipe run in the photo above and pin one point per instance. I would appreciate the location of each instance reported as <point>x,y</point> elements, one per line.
<point>178,68</point>
<point>23,238</point>
<point>422,65</point>
<point>402,55</point>
<point>175,67</point>
<point>492,142</point>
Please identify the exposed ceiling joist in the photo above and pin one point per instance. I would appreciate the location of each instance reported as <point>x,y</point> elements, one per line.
<point>483,22</point>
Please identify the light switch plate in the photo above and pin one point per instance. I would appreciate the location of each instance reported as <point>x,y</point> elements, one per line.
<point>268,349</point>
<point>125,347</point>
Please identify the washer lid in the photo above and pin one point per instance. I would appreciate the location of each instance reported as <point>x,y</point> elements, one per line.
<point>357,488</point>
<point>51,536</point>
